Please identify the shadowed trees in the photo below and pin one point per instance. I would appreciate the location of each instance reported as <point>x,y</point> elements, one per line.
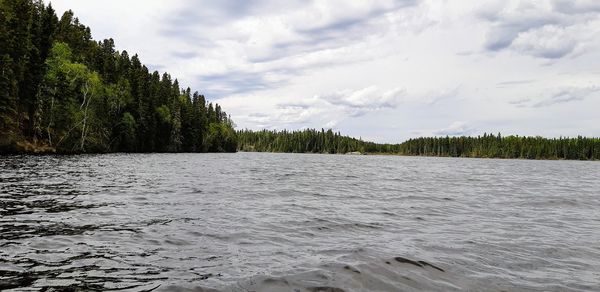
<point>62,91</point>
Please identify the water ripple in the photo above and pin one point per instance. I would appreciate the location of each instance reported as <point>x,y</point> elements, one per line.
<point>295,222</point>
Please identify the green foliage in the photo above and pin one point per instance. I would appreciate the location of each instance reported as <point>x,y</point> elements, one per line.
<point>488,145</point>
<point>73,92</point>
<point>127,133</point>
<point>164,114</point>
<point>64,91</point>
<point>492,146</point>
<point>221,138</point>
<point>306,141</point>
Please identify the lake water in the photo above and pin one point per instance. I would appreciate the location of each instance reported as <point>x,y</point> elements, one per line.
<point>297,222</point>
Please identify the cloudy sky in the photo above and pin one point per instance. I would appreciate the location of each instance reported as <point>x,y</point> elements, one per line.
<point>383,70</point>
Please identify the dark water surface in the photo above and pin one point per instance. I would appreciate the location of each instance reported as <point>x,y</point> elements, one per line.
<point>293,222</point>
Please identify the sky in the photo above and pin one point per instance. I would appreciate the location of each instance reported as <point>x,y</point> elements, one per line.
<point>382,70</point>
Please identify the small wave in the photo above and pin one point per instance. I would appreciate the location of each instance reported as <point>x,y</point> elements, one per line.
<point>355,273</point>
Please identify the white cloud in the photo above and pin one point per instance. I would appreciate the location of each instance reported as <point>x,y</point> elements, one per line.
<point>458,128</point>
<point>549,41</point>
<point>559,96</point>
<point>545,29</point>
<point>369,98</point>
<point>382,69</point>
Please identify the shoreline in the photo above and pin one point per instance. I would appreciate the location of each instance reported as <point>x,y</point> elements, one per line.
<point>429,156</point>
<point>38,149</point>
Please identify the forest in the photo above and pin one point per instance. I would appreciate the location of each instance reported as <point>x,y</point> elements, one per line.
<point>61,91</point>
<point>485,146</point>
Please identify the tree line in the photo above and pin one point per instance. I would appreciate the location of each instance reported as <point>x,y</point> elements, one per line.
<point>485,146</point>
<point>62,91</point>
<point>308,141</point>
<point>497,146</point>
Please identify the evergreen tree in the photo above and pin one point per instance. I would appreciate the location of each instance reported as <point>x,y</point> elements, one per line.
<point>487,146</point>
<point>62,91</point>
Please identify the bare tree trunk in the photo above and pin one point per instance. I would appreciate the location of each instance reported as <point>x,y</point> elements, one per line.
<point>86,89</point>
<point>51,117</point>
<point>37,116</point>
<point>86,102</point>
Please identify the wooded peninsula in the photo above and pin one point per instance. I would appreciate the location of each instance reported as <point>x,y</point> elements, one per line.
<point>63,92</point>
<point>486,146</point>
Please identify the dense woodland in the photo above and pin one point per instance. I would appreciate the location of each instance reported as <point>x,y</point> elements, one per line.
<point>488,145</point>
<point>62,91</point>
<point>306,141</point>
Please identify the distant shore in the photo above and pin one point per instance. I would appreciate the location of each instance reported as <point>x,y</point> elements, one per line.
<point>321,142</point>
<point>426,156</point>
<point>483,146</point>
